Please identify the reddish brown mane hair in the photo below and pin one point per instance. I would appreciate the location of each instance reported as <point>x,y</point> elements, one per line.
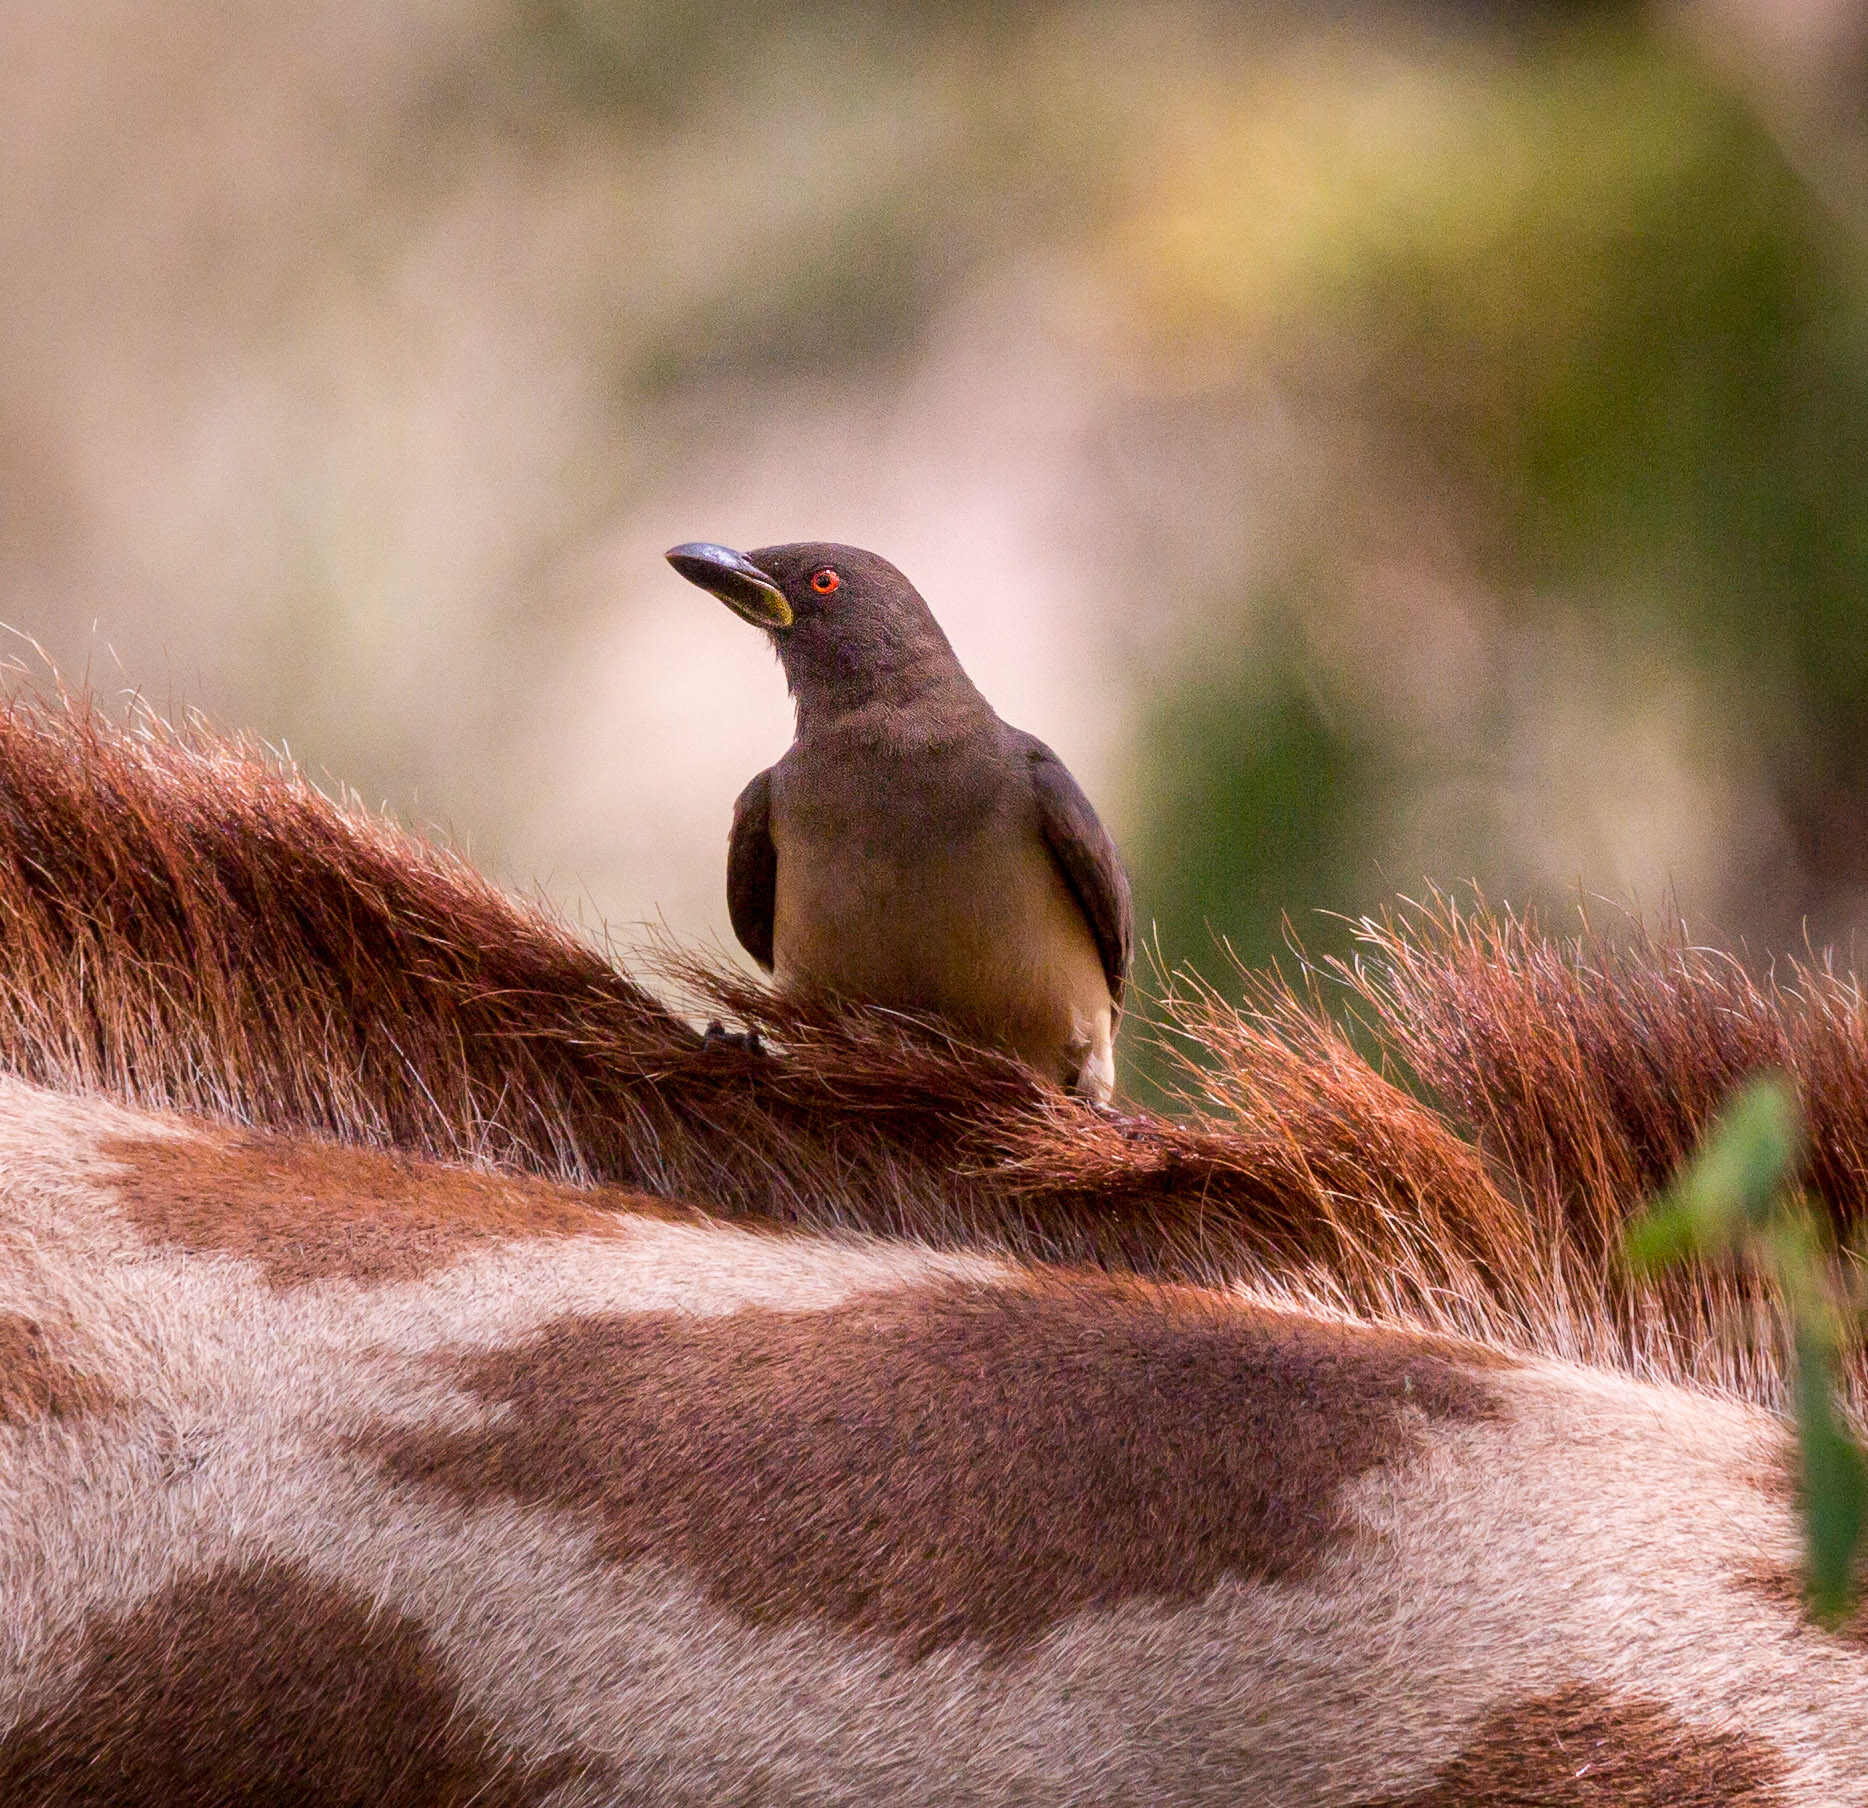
<point>188,923</point>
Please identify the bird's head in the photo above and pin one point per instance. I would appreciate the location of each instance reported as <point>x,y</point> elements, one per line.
<point>848,628</point>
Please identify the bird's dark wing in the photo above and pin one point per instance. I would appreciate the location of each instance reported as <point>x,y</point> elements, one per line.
<point>752,870</point>
<point>1087,858</point>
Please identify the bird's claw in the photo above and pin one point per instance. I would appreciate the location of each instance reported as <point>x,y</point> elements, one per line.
<point>1134,1128</point>
<point>719,1036</point>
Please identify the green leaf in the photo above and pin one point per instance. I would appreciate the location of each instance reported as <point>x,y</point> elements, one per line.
<point>1668,1232</point>
<point>1736,1197</point>
<point>1835,1481</point>
<point>1749,1157</point>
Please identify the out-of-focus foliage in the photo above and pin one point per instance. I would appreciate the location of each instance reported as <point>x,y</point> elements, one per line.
<point>1737,1198</point>
<point>1376,444</point>
<point>896,150</point>
<point>1264,800</point>
<point>1591,364</point>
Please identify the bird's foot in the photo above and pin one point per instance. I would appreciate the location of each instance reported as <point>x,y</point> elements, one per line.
<point>719,1036</point>
<point>1134,1128</point>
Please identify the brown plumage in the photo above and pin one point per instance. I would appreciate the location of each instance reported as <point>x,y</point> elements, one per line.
<point>911,850</point>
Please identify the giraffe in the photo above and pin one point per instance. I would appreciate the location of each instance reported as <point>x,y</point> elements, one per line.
<point>430,1372</point>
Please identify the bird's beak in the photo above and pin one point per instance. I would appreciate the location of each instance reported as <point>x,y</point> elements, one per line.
<point>735,580</point>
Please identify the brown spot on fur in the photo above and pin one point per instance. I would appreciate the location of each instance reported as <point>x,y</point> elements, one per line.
<point>1585,1748</point>
<point>972,1462</point>
<point>312,1211</point>
<point>1774,1475</point>
<point>37,1383</point>
<point>1783,1587</point>
<point>265,1687</point>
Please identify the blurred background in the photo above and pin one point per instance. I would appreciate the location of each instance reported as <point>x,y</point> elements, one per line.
<point>1375,445</point>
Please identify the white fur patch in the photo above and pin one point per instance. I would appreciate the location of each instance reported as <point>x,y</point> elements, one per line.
<point>1596,1532</point>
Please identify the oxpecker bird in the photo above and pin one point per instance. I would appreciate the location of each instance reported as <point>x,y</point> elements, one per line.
<point>911,849</point>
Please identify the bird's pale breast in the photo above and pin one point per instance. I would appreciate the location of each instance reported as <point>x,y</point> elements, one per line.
<point>969,920</point>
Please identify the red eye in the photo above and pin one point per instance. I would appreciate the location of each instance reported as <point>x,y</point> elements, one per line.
<point>825,581</point>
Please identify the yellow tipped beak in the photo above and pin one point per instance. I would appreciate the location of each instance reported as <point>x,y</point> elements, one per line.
<point>735,580</point>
